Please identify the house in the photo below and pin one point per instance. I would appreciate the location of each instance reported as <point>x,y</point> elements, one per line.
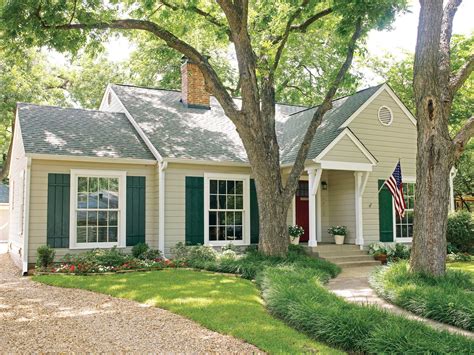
<point>4,213</point>
<point>165,166</point>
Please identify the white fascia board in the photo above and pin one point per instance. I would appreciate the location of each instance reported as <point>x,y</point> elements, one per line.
<point>383,88</point>
<point>140,132</point>
<point>206,162</point>
<point>91,159</point>
<point>337,165</point>
<point>347,132</point>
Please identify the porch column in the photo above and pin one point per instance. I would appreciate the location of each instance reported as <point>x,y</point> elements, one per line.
<point>360,183</point>
<point>313,184</point>
<point>452,175</point>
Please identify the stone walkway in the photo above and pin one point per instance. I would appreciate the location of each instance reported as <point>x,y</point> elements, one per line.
<point>35,318</point>
<point>353,285</point>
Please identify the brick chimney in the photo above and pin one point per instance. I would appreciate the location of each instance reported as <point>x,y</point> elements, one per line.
<point>193,88</point>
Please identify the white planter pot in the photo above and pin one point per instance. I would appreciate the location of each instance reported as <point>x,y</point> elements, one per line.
<point>339,239</point>
<point>295,241</point>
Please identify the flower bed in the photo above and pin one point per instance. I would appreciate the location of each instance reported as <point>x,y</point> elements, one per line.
<point>104,261</point>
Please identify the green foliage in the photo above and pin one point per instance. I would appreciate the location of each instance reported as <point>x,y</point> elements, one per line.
<point>460,231</point>
<point>398,252</point>
<point>45,256</point>
<point>139,249</point>
<point>458,257</point>
<point>337,230</point>
<point>297,296</point>
<point>105,257</point>
<point>447,299</point>
<point>295,231</point>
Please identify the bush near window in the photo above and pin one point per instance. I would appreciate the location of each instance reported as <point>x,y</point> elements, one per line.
<point>45,256</point>
<point>460,231</point>
<point>139,249</point>
<point>448,299</point>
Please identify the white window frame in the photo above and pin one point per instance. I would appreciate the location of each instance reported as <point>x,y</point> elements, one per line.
<point>121,233</point>
<point>246,214</point>
<point>406,180</point>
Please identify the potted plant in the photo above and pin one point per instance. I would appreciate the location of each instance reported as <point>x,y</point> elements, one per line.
<point>339,233</point>
<point>379,251</point>
<point>295,233</point>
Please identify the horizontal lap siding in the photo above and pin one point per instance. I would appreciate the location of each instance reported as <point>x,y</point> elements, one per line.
<point>341,203</point>
<point>346,151</point>
<point>39,198</point>
<point>175,197</point>
<point>388,144</point>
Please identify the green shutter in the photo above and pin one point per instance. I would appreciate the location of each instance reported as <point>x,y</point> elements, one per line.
<point>59,186</point>
<point>135,210</point>
<point>385,214</point>
<point>254,226</point>
<point>194,210</point>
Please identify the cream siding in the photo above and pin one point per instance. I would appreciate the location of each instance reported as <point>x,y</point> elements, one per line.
<point>114,106</point>
<point>39,197</point>
<point>175,191</point>
<point>18,164</point>
<point>387,144</point>
<point>346,151</point>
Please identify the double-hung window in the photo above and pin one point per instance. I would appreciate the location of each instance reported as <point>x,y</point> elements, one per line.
<point>227,209</point>
<point>404,225</point>
<point>97,209</point>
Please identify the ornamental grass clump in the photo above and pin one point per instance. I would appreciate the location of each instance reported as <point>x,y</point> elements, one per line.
<point>447,299</point>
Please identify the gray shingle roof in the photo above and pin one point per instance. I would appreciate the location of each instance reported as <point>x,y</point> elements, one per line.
<point>180,132</point>
<point>77,132</point>
<point>189,133</point>
<point>4,195</point>
<point>291,131</point>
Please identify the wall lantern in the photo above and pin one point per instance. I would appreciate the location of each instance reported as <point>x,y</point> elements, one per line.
<point>324,185</point>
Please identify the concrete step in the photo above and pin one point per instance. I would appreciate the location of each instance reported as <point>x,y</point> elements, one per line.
<point>340,253</point>
<point>348,264</point>
<point>348,258</point>
<point>336,247</point>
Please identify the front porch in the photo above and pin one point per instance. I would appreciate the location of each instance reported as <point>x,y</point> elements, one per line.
<point>346,255</point>
<point>330,197</point>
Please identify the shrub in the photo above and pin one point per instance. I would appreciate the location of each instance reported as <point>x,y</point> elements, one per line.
<point>228,254</point>
<point>151,254</point>
<point>338,230</point>
<point>460,231</point>
<point>453,257</point>
<point>399,252</point>
<point>201,253</point>
<point>378,249</point>
<point>180,251</point>
<point>139,249</point>
<point>45,256</point>
<point>296,295</point>
<point>447,299</point>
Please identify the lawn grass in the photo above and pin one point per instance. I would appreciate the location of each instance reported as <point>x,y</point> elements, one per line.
<point>448,299</point>
<point>466,266</point>
<point>226,304</point>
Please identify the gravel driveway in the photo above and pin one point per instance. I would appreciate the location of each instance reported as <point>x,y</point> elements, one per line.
<point>40,318</point>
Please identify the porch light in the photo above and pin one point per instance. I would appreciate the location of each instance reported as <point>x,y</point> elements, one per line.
<point>324,185</point>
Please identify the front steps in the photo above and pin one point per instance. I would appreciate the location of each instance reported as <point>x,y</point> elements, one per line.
<point>346,255</point>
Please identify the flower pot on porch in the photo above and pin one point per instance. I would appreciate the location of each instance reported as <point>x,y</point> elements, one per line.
<point>381,257</point>
<point>339,239</point>
<point>295,240</point>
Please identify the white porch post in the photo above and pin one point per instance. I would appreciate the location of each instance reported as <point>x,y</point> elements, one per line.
<point>314,179</point>
<point>360,183</point>
<point>452,175</point>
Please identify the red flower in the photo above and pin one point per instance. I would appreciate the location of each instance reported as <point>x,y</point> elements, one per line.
<point>72,268</point>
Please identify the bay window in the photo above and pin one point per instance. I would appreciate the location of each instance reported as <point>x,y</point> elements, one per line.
<point>97,209</point>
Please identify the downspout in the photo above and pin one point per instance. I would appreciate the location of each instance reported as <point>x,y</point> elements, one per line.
<point>26,218</point>
<point>161,205</point>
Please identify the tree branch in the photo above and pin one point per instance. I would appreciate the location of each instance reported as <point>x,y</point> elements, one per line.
<point>457,80</point>
<point>213,81</point>
<point>316,120</point>
<point>463,136</point>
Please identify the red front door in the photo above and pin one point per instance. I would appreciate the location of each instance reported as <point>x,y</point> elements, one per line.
<point>302,209</point>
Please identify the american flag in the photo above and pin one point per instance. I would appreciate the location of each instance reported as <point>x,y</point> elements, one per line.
<point>395,185</point>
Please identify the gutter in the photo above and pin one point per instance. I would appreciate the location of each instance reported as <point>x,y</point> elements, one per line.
<point>26,217</point>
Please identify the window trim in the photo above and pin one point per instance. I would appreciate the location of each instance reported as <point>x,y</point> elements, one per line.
<point>121,235</point>
<point>406,180</point>
<point>246,212</point>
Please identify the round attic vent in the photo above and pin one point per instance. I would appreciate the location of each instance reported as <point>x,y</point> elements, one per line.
<point>385,116</point>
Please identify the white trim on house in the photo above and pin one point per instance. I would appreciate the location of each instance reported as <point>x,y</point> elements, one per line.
<point>314,176</point>
<point>206,162</point>
<point>361,179</point>
<point>161,205</point>
<point>246,213</point>
<point>134,123</point>
<point>409,180</point>
<point>122,208</point>
<point>388,89</point>
<point>91,159</point>
<point>337,165</point>
<point>347,132</point>
<point>26,215</point>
